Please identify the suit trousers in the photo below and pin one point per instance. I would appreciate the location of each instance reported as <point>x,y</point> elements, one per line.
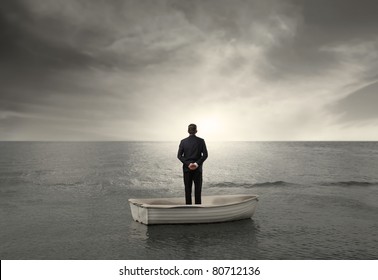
<point>190,177</point>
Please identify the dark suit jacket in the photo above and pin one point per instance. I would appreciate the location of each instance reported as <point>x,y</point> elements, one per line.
<point>192,149</point>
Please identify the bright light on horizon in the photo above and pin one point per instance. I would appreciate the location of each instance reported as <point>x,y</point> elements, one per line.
<point>210,128</point>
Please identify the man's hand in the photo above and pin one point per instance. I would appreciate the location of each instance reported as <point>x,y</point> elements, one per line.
<point>193,166</point>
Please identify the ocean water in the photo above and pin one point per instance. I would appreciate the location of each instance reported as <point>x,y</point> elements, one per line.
<point>68,200</point>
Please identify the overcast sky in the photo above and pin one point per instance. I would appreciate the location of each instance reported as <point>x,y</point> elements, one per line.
<point>144,70</point>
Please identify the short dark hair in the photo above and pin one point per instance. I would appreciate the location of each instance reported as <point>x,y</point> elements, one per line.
<point>192,128</point>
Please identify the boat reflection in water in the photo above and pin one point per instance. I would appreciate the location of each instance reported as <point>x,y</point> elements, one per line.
<point>232,240</point>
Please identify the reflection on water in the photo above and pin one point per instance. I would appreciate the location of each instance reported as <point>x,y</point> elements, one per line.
<point>232,240</point>
<point>318,200</point>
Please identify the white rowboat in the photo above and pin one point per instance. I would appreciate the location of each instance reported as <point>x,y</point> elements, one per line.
<point>219,208</point>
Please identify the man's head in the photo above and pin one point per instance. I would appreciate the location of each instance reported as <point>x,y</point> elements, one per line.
<point>192,128</point>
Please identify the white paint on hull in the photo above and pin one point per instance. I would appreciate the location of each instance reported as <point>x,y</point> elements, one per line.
<point>221,208</point>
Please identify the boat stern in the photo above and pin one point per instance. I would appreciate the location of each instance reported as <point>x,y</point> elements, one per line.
<point>138,212</point>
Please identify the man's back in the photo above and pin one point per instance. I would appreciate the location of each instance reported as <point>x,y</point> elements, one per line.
<point>192,149</point>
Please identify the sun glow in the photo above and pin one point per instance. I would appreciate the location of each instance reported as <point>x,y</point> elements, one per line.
<point>209,128</point>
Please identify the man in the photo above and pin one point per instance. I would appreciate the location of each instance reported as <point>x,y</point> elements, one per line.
<point>192,153</point>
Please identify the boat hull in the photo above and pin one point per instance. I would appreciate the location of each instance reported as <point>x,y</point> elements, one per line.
<point>173,210</point>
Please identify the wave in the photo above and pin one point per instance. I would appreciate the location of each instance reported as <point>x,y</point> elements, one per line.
<point>288,184</point>
<point>350,183</point>
<point>249,185</point>
<point>276,183</point>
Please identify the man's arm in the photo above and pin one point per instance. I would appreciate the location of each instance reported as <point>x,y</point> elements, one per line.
<point>180,154</point>
<point>204,154</point>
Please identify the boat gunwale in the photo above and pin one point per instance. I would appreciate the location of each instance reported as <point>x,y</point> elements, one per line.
<point>135,202</point>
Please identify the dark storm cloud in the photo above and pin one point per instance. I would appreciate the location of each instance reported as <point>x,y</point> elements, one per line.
<point>22,46</point>
<point>269,25</point>
<point>58,40</point>
<point>53,40</point>
<point>32,66</point>
<point>44,43</point>
<point>74,64</point>
<point>322,24</point>
<point>98,34</point>
<point>46,77</point>
<point>295,33</point>
<point>360,105</point>
<point>341,18</point>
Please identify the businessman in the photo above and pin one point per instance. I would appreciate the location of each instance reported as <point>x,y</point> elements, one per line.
<point>192,153</point>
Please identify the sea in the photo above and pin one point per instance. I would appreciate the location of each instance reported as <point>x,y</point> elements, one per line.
<point>69,200</point>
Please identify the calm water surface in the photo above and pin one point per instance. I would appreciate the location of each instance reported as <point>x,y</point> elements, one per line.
<point>318,200</point>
